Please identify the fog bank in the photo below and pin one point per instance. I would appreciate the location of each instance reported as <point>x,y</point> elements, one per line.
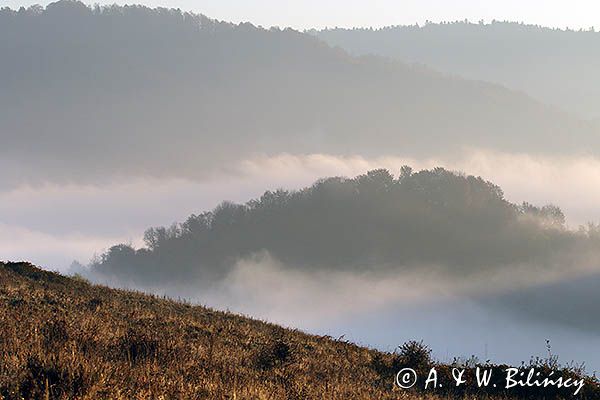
<point>101,215</point>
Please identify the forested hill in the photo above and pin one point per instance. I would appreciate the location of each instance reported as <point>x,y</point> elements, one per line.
<point>375,221</point>
<point>557,66</point>
<point>92,93</point>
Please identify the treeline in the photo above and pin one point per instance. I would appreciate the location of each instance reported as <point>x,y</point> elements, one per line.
<point>374,221</point>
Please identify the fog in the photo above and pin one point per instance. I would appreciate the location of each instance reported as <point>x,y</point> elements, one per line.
<point>473,281</point>
<point>90,95</point>
<point>256,143</point>
<point>52,225</point>
<point>457,318</point>
<point>94,217</point>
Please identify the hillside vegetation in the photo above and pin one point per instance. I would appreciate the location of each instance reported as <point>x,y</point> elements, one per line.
<point>63,338</point>
<point>375,221</point>
<point>91,93</point>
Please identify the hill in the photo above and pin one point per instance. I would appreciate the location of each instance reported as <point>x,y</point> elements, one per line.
<point>104,93</point>
<point>73,340</point>
<point>438,229</point>
<point>375,221</point>
<point>559,67</point>
<point>63,338</point>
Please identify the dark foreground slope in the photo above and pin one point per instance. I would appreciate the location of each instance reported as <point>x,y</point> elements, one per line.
<point>76,340</point>
<point>64,338</point>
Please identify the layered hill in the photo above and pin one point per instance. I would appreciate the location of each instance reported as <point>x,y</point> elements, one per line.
<point>556,66</point>
<point>90,94</point>
<point>63,338</point>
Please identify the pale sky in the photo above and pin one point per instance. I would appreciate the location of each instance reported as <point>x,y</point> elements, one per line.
<point>301,14</point>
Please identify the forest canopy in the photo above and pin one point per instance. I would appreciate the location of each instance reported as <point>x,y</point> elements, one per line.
<point>374,221</point>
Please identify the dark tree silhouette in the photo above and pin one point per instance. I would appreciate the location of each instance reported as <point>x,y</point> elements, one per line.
<point>374,221</point>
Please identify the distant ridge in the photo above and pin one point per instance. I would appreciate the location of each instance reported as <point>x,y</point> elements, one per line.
<point>91,94</point>
<point>555,66</point>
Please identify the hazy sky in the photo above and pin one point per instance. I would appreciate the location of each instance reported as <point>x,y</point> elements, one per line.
<point>321,13</point>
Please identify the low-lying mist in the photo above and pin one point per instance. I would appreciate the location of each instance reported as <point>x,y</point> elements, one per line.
<point>422,248</point>
<point>481,317</point>
<point>114,119</point>
<point>53,224</point>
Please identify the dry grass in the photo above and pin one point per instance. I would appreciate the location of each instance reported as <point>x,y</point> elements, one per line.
<point>63,338</point>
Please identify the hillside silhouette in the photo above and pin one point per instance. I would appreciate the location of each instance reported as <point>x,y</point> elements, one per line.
<point>556,66</point>
<point>96,94</point>
<point>63,338</point>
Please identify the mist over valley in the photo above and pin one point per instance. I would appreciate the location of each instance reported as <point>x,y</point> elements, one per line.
<point>371,186</point>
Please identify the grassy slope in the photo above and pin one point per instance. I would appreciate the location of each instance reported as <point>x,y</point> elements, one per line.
<point>93,342</point>
<point>64,338</point>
